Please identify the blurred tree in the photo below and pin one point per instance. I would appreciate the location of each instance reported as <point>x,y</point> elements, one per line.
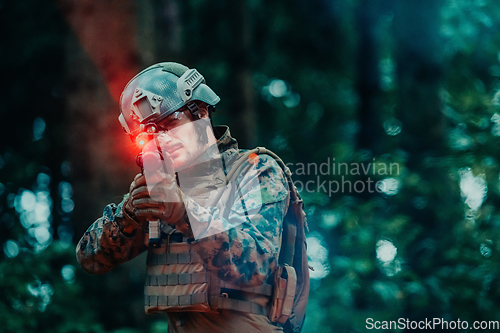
<point>370,133</point>
<point>420,69</point>
<point>102,58</point>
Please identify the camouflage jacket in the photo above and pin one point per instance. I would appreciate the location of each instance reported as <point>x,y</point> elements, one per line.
<point>245,255</point>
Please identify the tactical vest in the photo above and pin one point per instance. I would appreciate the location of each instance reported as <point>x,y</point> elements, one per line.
<point>176,280</point>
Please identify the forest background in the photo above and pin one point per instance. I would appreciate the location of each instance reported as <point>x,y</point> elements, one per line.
<point>412,84</point>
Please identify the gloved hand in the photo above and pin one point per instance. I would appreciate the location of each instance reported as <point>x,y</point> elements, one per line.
<point>163,202</point>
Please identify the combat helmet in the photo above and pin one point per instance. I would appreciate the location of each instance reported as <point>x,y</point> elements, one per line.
<point>158,91</point>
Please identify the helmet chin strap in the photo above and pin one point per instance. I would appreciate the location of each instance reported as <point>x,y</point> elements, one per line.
<point>200,128</point>
<point>194,109</point>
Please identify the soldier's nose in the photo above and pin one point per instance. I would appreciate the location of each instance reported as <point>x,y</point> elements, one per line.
<point>165,138</point>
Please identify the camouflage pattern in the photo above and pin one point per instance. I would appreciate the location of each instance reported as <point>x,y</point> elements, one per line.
<point>111,240</point>
<point>245,255</point>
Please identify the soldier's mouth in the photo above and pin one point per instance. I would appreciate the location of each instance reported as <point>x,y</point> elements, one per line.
<point>174,149</point>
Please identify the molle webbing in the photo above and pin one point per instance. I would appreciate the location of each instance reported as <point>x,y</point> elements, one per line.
<point>175,300</point>
<point>177,279</point>
<point>193,299</point>
<point>174,258</point>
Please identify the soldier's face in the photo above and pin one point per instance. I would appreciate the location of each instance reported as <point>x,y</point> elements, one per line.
<point>179,137</point>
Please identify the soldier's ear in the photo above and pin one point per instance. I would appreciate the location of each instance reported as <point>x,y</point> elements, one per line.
<point>203,111</point>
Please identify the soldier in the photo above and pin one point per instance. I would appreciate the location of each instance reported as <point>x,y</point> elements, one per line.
<point>220,215</point>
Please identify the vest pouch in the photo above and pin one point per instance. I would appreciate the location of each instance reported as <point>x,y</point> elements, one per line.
<point>281,305</point>
<point>176,280</point>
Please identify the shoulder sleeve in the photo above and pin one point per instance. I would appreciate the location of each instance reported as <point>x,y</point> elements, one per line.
<point>247,251</point>
<point>111,240</point>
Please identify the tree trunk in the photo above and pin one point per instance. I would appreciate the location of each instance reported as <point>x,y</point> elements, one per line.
<point>243,108</point>
<point>102,56</point>
<point>420,75</point>
<point>424,137</point>
<point>368,85</point>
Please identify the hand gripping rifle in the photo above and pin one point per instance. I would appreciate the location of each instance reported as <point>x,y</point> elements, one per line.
<point>150,158</point>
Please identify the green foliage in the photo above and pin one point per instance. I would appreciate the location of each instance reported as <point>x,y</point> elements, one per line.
<point>35,297</point>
